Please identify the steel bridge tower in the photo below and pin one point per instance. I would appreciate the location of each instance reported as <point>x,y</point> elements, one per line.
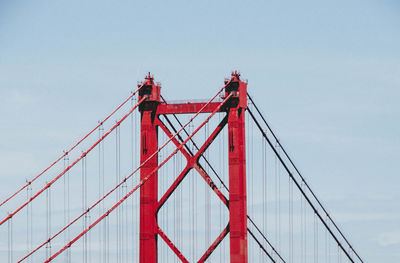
<point>152,107</point>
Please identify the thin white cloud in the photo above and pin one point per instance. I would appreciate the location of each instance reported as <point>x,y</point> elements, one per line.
<point>362,217</point>
<point>20,98</point>
<point>389,238</point>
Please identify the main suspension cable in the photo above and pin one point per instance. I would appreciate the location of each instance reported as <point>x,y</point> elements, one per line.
<point>261,246</point>
<point>68,151</point>
<point>265,238</point>
<point>303,179</point>
<point>71,165</point>
<point>298,186</point>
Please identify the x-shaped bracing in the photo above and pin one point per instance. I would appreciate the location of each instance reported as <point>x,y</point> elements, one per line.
<point>193,163</point>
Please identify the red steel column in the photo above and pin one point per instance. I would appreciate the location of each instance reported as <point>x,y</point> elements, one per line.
<point>237,169</point>
<point>148,191</point>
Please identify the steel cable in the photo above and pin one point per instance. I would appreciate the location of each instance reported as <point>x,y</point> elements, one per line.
<point>303,179</point>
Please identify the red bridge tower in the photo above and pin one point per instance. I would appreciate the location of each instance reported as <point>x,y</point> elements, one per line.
<point>234,105</point>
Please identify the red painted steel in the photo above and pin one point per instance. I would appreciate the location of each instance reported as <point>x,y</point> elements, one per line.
<point>148,192</point>
<point>186,108</point>
<point>237,205</point>
<point>150,110</point>
<point>237,170</point>
<point>192,162</point>
<point>172,246</point>
<point>214,245</point>
<point>235,108</point>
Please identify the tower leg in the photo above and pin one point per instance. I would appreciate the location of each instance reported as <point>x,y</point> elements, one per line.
<point>237,185</point>
<point>148,191</point>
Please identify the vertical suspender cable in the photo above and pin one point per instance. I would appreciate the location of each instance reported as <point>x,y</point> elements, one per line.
<point>118,195</point>
<point>102,207</point>
<point>276,203</point>
<point>225,163</point>
<point>108,239</point>
<point>126,226</point>
<point>165,185</point>
<point>326,244</point>
<point>289,223</point>
<point>10,241</point>
<point>31,222</point>
<point>220,156</point>
<point>88,216</point>
<point>50,218</point>
<point>206,203</point>
<point>48,252</point>
<point>100,238</point>
<point>83,208</point>
<point>27,221</point>
<point>174,173</point>
<point>315,238</point>
<point>305,226</point>
<point>180,235</point>
<point>224,246</point>
<point>122,206</point>
<point>329,249</point>
<point>316,230</point>
<point>253,179</point>
<point>251,162</point>
<point>193,206</point>
<point>64,208</point>
<point>121,219</point>
<point>279,203</point>
<point>265,187</point>
<point>207,195</point>
<point>177,204</point>
<point>248,181</point>
<point>134,222</point>
<point>292,230</point>
<point>291,219</point>
<point>161,217</point>
<point>194,197</point>
<point>66,160</point>
<point>302,228</point>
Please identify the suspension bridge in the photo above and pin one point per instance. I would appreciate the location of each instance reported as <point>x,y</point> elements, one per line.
<point>173,181</point>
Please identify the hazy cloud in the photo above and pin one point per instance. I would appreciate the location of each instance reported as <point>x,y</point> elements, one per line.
<point>389,238</point>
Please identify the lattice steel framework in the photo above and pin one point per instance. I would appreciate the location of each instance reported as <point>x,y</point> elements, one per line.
<point>234,105</point>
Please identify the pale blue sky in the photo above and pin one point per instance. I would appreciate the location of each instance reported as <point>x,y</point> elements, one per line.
<point>326,73</point>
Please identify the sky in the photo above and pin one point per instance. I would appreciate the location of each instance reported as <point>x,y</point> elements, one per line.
<point>325,73</point>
